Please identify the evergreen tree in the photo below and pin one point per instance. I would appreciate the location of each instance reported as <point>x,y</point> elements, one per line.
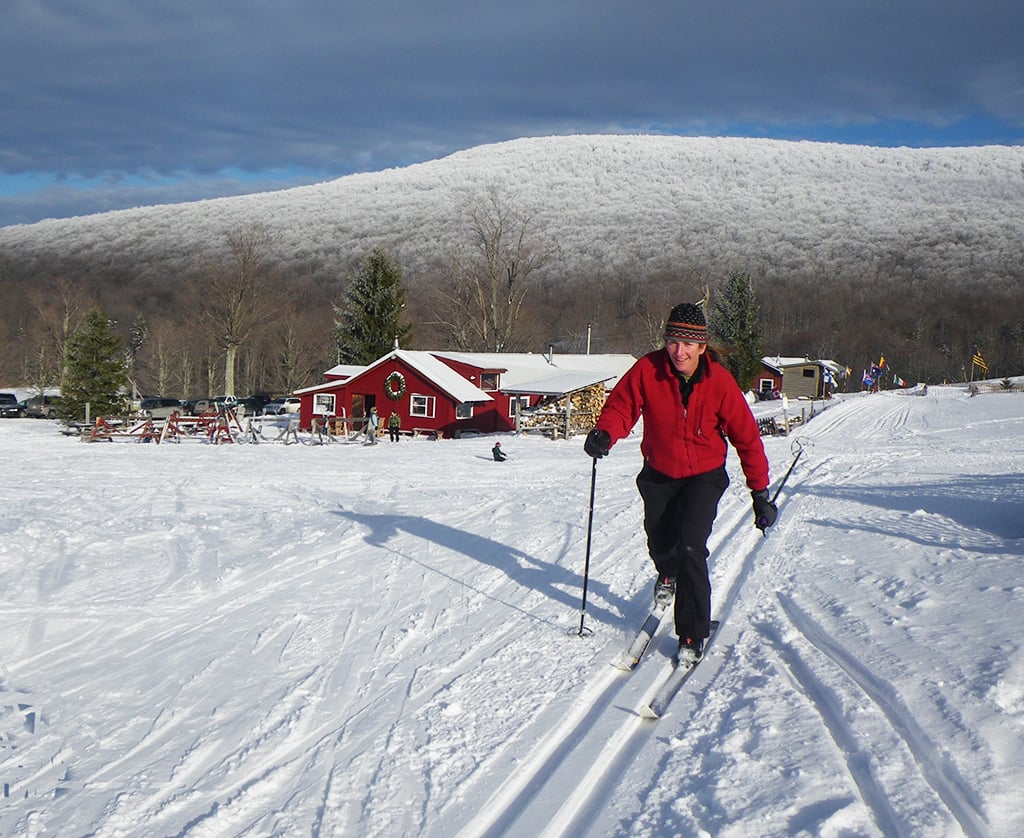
<point>736,324</point>
<point>96,371</point>
<point>368,323</point>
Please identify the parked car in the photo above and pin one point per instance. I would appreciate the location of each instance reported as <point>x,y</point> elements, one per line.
<point>197,407</point>
<point>257,401</point>
<point>250,406</point>
<point>152,407</point>
<point>40,407</point>
<point>9,406</point>
<point>288,405</point>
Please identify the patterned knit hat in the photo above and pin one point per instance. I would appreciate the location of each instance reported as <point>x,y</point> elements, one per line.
<point>686,322</point>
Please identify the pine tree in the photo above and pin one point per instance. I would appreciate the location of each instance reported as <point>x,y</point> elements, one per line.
<point>369,322</point>
<point>96,371</point>
<point>736,323</point>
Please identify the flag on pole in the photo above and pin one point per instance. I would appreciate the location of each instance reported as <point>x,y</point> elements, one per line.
<point>881,362</point>
<point>978,361</point>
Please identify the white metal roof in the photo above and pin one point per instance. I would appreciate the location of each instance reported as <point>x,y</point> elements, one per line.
<point>342,371</point>
<point>557,384</point>
<point>521,372</point>
<point>779,362</point>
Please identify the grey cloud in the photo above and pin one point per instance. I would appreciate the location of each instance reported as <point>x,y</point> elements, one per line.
<point>344,86</point>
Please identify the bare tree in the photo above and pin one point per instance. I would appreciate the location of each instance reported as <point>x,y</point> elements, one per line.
<point>236,294</point>
<point>60,310</point>
<point>487,281</point>
<point>164,350</point>
<point>300,346</point>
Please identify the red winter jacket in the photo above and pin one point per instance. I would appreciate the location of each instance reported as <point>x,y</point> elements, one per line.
<point>682,442</point>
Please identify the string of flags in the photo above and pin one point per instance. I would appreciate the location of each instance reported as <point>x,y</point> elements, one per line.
<point>873,376</point>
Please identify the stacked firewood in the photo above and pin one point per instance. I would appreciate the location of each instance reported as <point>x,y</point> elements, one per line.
<point>549,414</point>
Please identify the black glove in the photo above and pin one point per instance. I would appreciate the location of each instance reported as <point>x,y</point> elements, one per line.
<point>597,443</point>
<point>765,512</point>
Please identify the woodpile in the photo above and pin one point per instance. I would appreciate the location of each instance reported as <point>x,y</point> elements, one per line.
<point>549,416</point>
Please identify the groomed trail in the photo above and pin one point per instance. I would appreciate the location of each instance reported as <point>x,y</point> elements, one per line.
<point>341,640</point>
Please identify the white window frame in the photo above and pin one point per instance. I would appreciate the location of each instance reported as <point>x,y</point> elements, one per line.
<point>486,387</point>
<point>323,404</point>
<point>524,405</point>
<point>464,411</point>
<point>422,406</point>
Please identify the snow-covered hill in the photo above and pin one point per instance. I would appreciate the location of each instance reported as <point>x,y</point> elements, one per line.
<point>618,202</point>
<point>379,641</point>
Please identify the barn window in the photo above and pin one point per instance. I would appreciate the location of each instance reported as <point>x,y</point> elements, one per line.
<point>809,373</point>
<point>421,406</point>
<point>463,411</point>
<point>522,401</point>
<point>323,404</point>
<point>489,381</point>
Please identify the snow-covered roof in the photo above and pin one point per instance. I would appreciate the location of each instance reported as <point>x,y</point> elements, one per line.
<point>557,384</point>
<point>316,388</point>
<point>343,371</point>
<point>780,362</point>
<point>427,365</point>
<point>524,372</point>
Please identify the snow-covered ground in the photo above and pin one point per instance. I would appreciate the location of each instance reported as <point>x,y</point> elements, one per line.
<point>342,640</point>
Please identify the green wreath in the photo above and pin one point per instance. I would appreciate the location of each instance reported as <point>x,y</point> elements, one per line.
<point>394,378</point>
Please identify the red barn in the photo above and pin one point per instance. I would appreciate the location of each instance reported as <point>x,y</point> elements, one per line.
<point>449,393</point>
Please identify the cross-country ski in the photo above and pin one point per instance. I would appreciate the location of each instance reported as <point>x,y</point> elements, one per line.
<point>634,651</point>
<point>678,675</point>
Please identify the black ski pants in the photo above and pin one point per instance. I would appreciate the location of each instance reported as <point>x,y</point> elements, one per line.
<point>678,517</point>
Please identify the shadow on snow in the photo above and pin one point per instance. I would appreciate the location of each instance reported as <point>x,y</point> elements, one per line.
<point>549,578</point>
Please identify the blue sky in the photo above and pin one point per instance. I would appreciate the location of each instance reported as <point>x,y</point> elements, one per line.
<point>119,103</point>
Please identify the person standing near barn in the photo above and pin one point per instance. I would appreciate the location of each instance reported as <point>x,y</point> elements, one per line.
<point>372,421</point>
<point>394,425</point>
<point>690,405</point>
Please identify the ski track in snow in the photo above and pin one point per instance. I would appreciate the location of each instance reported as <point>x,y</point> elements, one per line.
<point>935,769</point>
<point>561,788</point>
<point>352,654</point>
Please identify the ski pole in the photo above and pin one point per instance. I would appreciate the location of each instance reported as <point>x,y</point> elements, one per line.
<point>762,524</point>
<point>586,564</point>
<point>789,471</point>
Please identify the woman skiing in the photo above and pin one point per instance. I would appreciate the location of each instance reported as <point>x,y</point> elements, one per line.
<point>690,405</point>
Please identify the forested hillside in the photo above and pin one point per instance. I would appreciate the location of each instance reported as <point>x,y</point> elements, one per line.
<point>855,251</point>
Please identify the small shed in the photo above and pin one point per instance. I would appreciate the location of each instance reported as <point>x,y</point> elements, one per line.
<point>801,378</point>
<point>569,402</point>
<point>769,380</point>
